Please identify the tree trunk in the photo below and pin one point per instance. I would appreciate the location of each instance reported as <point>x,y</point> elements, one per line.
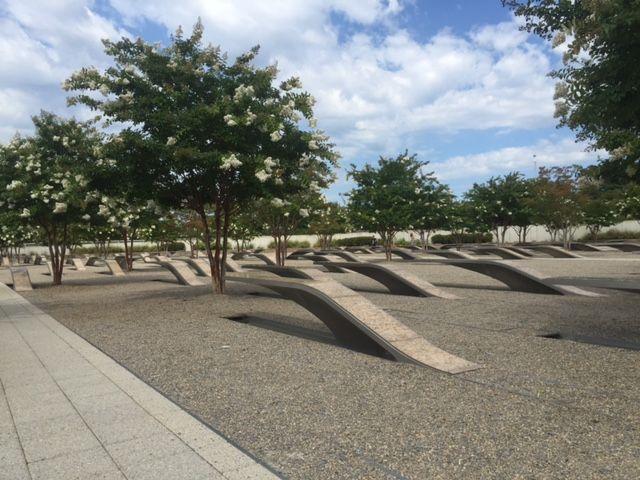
<point>213,258</point>
<point>387,242</point>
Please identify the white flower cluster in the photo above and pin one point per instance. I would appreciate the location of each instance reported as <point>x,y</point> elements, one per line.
<point>230,120</point>
<point>230,162</point>
<point>242,92</point>
<point>290,84</point>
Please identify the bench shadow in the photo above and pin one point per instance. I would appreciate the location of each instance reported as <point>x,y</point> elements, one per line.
<point>265,321</point>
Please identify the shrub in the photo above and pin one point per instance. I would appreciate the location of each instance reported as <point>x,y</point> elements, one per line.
<point>612,235</point>
<point>353,241</point>
<point>466,238</point>
<point>293,244</point>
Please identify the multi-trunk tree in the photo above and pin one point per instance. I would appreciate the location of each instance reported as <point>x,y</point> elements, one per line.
<point>47,178</point>
<point>213,134</point>
<point>384,197</point>
<point>500,203</point>
<point>328,220</point>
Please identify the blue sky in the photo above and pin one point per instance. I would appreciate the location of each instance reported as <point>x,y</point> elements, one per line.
<point>455,81</point>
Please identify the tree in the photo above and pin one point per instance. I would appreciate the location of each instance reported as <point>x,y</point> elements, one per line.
<point>384,197</point>
<point>47,178</point>
<point>597,93</point>
<point>14,233</point>
<point>283,218</point>
<point>244,227</point>
<point>212,135</point>
<point>599,202</point>
<point>629,205</point>
<point>431,209</point>
<point>556,201</point>
<point>500,202</point>
<point>329,219</point>
<point>461,220</point>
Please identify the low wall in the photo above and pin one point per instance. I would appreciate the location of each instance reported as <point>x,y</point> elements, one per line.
<point>535,234</point>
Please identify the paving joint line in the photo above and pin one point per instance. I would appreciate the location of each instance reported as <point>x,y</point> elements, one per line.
<point>15,428</point>
<point>69,400</point>
<point>196,417</point>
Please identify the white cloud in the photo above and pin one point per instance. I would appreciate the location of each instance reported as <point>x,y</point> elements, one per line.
<point>41,44</point>
<point>479,166</point>
<point>380,90</point>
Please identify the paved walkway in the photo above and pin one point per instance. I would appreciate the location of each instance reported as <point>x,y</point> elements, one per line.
<point>68,411</point>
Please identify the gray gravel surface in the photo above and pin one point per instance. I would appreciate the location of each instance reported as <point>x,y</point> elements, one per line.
<point>281,388</point>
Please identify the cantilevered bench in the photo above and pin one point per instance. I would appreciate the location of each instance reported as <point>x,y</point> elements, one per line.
<point>623,246</point>
<point>202,268</point>
<point>78,264</point>
<point>359,324</point>
<point>500,252</point>
<point>269,259</point>
<point>114,267</point>
<point>398,282</point>
<point>21,279</point>
<point>183,273</point>
<point>453,254</point>
<point>519,279</point>
<point>300,251</point>
<point>348,256</point>
<point>553,251</point>
<point>522,251</point>
<point>587,247</point>
<point>364,250</point>
<point>404,254</point>
<point>91,261</point>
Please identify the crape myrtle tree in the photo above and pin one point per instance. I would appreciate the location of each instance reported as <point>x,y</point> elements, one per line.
<point>556,201</point>
<point>431,208</point>
<point>462,220</point>
<point>330,219</point>
<point>384,197</point>
<point>499,202</point>
<point>191,230</point>
<point>285,217</point>
<point>210,129</point>
<point>599,202</point>
<point>120,203</point>
<point>597,93</point>
<point>629,205</point>
<point>14,233</point>
<point>245,226</point>
<point>46,180</point>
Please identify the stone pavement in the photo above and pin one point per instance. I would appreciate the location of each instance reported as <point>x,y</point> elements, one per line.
<point>68,411</point>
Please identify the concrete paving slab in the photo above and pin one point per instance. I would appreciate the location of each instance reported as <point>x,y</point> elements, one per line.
<point>68,411</point>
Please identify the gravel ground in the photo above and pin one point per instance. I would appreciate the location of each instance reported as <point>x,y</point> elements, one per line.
<point>281,388</point>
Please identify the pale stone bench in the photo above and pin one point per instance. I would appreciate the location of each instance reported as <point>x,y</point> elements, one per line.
<point>269,259</point>
<point>364,250</point>
<point>500,252</point>
<point>452,254</point>
<point>91,261</point>
<point>623,246</point>
<point>397,281</point>
<point>587,247</point>
<point>114,268</point>
<point>78,264</point>
<point>519,279</point>
<point>553,251</point>
<point>202,267</point>
<point>522,251</point>
<point>21,279</point>
<point>183,273</point>
<point>359,324</point>
<point>348,256</point>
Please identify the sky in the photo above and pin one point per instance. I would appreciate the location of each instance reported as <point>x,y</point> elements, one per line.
<point>456,82</point>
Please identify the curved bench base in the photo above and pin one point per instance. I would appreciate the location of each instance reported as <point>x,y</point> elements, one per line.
<point>360,324</point>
